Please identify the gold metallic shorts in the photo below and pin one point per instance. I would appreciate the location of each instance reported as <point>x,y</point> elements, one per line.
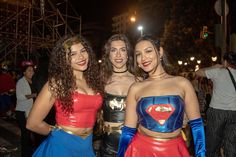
<point>109,129</point>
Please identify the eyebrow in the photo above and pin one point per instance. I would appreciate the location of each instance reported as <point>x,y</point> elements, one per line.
<point>148,48</point>
<point>83,49</point>
<point>116,48</point>
<point>76,51</point>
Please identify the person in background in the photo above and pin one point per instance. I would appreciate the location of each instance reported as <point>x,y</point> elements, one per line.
<point>7,92</point>
<point>24,102</point>
<point>39,79</point>
<point>155,108</point>
<point>74,88</point>
<point>221,115</point>
<point>116,73</point>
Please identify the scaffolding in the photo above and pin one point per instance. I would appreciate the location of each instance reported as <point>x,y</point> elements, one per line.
<point>29,28</point>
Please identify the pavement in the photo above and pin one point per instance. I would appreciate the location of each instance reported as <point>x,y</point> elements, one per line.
<point>9,138</point>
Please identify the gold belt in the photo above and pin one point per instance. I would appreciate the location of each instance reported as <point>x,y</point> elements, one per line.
<point>158,138</point>
<point>83,135</point>
<point>109,129</point>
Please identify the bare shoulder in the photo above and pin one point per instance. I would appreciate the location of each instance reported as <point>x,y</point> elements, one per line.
<point>46,88</point>
<point>45,94</point>
<point>184,83</point>
<point>136,86</point>
<point>182,80</point>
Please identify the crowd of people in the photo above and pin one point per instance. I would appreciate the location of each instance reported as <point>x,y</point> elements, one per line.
<point>221,115</point>
<point>141,106</point>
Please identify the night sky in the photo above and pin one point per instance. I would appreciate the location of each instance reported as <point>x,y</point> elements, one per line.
<point>99,13</point>
<point>100,10</point>
<point>104,10</point>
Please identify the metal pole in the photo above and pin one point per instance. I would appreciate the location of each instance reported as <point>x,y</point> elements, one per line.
<point>29,30</point>
<point>80,25</point>
<point>16,35</point>
<point>224,27</point>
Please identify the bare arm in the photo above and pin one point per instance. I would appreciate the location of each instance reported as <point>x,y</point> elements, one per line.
<point>201,72</point>
<point>39,111</point>
<point>131,117</point>
<point>191,101</point>
<point>196,123</point>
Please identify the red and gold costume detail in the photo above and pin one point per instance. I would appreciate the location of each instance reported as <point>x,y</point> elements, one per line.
<point>84,113</point>
<point>67,142</point>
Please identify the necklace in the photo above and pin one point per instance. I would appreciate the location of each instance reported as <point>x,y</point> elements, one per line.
<point>161,75</point>
<point>119,71</point>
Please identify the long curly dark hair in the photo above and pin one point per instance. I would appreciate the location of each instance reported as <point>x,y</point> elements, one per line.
<point>156,44</point>
<point>62,81</point>
<point>106,65</point>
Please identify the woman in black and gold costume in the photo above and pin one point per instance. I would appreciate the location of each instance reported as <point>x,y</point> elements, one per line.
<point>116,72</point>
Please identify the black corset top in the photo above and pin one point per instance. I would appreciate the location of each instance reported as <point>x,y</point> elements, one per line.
<point>114,108</point>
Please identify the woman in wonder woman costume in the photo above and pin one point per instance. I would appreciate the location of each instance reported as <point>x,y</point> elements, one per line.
<point>155,108</point>
<point>116,73</point>
<point>74,87</point>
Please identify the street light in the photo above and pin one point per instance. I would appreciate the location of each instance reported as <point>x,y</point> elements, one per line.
<point>180,62</point>
<point>140,28</point>
<point>214,58</point>
<point>132,19</point>
<point>192,58</point>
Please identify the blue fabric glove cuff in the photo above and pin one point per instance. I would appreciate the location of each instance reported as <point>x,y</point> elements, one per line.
<point>198,137</point>
<point>125,138</point>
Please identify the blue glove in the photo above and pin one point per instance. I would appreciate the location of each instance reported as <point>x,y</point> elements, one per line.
<point>198,137</point>
<point>125,138</point>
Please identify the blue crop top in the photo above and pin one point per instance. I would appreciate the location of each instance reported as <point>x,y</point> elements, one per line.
<point>161,113</point>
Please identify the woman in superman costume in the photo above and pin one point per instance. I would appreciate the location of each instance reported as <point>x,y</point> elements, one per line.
<point>155,108</point>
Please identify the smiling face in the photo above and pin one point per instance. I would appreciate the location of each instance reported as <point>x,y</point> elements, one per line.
<point>118,55</point>
<point>147,56</point>
<point>79,57</point>
<point>29,72</point>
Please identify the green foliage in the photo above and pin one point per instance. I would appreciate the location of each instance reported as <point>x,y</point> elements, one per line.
<point>181,35</point>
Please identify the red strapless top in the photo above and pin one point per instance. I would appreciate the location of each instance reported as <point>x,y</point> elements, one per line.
<point>84,114</point>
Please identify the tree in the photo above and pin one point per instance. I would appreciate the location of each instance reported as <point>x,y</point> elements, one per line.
<point>181,35</point>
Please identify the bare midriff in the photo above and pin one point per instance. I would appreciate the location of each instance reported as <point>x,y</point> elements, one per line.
<point>77,131</point>
<point>159,135</point>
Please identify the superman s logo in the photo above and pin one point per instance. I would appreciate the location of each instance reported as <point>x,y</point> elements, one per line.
<point>160,112</point>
